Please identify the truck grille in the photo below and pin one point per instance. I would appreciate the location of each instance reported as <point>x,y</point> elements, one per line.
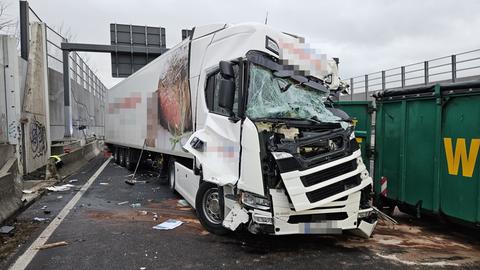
<point>332,172</point>
<point>335,188</point>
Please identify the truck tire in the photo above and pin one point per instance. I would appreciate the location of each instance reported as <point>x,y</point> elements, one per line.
<point>117,155</point>
<point>122,157</point>
<point>171,175</point>
<point>209,207</point>
<point>130,161</point>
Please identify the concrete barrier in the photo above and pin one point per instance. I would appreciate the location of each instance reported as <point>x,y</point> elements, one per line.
<point>79,157</point>
<point>11,186</point>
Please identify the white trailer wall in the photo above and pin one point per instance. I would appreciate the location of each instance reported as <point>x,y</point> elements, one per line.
<point>153,104</point>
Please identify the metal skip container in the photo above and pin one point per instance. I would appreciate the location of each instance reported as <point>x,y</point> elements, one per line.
<point>427,143</point>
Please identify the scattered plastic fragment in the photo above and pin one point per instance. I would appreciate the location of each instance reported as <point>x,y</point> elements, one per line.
<point>143,268</point>
<point>39,219</point>
<point>6,229</point>
<point>104,184</point>
<point>135,205</point>
<point>143,213</point>
<point>122,203</point>
<point>73,180</point>
<point>168,225</point>
<point>60,188</point>
<point>27,191</point>
<point>183,203</point>
<point>44,207</point>
<point>52,245</point>
<point>59,197</point>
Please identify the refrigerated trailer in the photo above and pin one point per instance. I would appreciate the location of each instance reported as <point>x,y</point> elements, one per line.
<point>238,118</point>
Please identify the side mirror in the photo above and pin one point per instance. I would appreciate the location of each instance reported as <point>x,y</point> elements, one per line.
<point>226,69</point>
<point>226,95</point>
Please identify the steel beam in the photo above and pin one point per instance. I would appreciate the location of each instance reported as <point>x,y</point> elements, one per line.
<point>67,95</point>
<point>24,25</point>
<point>84,47</point>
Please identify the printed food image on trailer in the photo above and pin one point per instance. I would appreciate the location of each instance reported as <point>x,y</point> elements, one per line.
<point>169,107</point>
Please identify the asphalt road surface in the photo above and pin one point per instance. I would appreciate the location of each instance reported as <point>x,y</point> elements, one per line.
<point>103,231</point>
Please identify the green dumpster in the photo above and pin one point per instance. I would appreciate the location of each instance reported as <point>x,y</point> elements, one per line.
<point>361,113</point>
<point>426,148</point>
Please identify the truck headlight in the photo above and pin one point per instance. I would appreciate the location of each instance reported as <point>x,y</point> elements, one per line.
<point>255,201</point>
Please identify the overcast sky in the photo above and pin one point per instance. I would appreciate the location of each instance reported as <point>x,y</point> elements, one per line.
<point>367,36</point>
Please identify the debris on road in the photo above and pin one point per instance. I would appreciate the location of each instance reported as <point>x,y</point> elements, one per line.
<point>104,183</point>
<point>133,182</point>
<point>168,225</point>
<point>6,229</point>
<point>136,205</point>
<point>73,180</point>
<point>27,191</point>
<point>44,207</point>
<point>47,212</point>
<point>52,245</point>
<point>143,213</point>
<point>59,197</point>
<point>65,187</point>
<point>182,203</point>
<point>40,219</point>
<point>122,203</point>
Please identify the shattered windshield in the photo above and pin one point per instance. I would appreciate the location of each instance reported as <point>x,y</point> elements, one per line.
<point>274,97</point>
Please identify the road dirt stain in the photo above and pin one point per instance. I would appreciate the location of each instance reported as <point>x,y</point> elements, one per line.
<point>9,244</point>
<point>411,244</point>
<point>153,213</point>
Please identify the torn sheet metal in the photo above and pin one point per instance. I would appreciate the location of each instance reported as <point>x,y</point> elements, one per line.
<point>235,217</point>
<point>269,97</point>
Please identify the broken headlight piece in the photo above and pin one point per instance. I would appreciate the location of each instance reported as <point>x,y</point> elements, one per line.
<point>255,201</point>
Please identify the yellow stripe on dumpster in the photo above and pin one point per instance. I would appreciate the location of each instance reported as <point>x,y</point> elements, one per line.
<point>459,156</point>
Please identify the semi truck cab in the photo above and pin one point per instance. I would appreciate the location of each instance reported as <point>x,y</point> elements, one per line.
<point>271,156</point>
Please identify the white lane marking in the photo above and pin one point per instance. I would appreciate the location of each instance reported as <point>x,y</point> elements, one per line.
<point>23,261</point>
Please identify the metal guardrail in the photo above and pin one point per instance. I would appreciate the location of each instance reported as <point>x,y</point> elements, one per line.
<point>452,68</point>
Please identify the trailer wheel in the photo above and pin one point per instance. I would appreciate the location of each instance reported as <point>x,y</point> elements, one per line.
<point>117,155</point>
<point>122,157</point>
<point>130,159</point>
<point>171,175</point>
<point>209,207</point>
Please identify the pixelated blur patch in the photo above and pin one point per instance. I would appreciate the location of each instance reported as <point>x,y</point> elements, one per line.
<point>223,151</point>
<point>129,102</point>
<point>304,59</point>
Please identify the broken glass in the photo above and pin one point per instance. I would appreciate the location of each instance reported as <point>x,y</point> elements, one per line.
<point>274,97</point>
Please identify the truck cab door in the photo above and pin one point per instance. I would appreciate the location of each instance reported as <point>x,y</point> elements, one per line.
<point>216,145</point>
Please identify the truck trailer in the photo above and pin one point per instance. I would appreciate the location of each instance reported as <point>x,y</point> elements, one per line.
<point>239,119</point>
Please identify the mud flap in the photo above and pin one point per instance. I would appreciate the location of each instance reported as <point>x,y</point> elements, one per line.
<point>364,229</point>
<point>235,217</point>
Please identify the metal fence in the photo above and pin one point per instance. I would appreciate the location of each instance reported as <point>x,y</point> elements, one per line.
<point>88,92</point>
<point>458,67</point>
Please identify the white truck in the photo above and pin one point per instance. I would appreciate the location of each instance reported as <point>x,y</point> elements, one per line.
<point>238,117</point>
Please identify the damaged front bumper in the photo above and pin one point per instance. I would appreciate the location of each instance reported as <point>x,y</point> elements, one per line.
<point>333,218</point>
<point>329,206</point>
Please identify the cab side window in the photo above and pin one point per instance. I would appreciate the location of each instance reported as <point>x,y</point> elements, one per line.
<point>212,91</point>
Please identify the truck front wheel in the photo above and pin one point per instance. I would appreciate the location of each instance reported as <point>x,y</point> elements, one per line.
<point>209,206</point>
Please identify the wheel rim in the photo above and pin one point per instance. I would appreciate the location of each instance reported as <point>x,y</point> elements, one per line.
<point>211,206</point>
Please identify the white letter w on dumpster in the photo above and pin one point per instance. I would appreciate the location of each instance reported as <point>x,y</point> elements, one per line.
<point>459,156</point>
